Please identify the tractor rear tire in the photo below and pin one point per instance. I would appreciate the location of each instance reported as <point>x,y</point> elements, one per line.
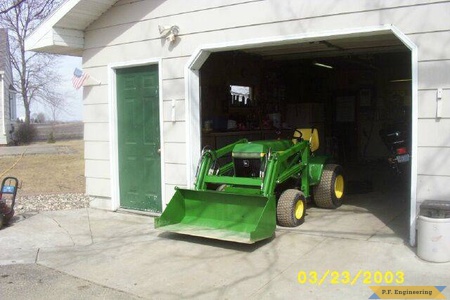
<point>291,208</point>
<point>330,190</point>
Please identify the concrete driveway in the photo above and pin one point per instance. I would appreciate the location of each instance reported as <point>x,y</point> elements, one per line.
<point>97,254</point>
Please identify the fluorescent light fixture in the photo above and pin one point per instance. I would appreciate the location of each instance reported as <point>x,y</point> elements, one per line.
<point>401,80</point>
<point>322,65</point>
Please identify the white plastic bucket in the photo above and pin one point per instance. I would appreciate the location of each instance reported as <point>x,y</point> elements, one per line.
<point>433,240</point>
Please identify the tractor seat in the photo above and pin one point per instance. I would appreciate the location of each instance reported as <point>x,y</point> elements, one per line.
<point>308,134</point>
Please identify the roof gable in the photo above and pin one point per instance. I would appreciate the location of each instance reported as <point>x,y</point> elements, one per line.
<point>63,31</point>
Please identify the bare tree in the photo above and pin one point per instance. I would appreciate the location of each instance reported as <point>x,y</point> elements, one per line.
<point>36,77</point>
<point>12,5</point>
<point>57,105</point>
<point>40,118</point>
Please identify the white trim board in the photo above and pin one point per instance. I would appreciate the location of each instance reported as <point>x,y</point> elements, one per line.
<point>202,53</point>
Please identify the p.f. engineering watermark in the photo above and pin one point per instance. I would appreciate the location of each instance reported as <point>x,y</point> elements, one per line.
<point>407,292</point>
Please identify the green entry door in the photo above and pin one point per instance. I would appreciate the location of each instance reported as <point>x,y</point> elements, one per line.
<point>139,138</point>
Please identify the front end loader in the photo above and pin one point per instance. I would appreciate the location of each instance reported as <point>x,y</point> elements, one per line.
<point>266,183</point>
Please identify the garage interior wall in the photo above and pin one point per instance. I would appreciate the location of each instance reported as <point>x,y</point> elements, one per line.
<point>349,99</point>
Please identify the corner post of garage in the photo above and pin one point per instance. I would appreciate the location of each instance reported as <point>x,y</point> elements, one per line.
<point>193,128</point>
<point>414,118</point>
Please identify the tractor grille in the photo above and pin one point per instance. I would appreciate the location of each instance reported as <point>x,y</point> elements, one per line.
<point>247,167</point>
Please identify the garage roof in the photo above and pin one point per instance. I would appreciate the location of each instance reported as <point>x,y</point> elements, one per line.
<point>63,31</point>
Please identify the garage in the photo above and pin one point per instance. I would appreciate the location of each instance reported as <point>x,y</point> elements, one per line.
<point>355,89</point>
<point>348,68</point>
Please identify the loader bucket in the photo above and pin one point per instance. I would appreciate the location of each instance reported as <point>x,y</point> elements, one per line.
<point>219,215</point>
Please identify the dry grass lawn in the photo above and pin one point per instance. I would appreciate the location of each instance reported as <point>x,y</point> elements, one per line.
<point>48,173</point>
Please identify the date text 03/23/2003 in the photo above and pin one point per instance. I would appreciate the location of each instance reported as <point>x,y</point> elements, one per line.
<point>349,278</point>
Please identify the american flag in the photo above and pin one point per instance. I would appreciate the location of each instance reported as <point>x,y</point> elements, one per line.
<point>78,78</point>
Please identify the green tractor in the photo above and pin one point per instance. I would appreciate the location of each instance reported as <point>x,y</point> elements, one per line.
<point>266,183</point>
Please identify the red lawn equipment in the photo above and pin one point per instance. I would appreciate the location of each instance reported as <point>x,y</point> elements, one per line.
<point>7,199</point>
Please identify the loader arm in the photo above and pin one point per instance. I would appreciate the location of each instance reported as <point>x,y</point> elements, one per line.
<point>296,161</point>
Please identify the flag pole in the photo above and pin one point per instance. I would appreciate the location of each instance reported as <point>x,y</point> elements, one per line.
<point>96,81</point>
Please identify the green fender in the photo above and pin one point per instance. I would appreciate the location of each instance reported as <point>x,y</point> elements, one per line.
<point>315,168</point>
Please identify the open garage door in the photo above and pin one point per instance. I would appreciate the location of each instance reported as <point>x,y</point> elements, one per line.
<point>356,89</point>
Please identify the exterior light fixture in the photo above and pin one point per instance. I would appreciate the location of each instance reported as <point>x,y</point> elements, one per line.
<point>169,32</point>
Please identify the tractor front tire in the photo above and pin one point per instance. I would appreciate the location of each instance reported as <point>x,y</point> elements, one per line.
<point>330,190</point>
<point>291,208</point>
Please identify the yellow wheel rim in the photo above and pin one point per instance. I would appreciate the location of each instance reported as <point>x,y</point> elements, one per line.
<point>299,207</point>
<point>339,186</point>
